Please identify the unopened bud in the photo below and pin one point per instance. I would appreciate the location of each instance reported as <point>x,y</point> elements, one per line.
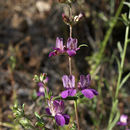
<point>65,18</point>
<point>78,17</point>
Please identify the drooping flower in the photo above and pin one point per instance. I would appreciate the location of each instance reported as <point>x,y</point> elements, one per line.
<point>123,120</point>
<point>69,85</point>
<point>84,84</point>
<point>59,49</point>
<point>56,108</point>
<point>41,85</point>
<point>72,46</point>
<point>41,90</point>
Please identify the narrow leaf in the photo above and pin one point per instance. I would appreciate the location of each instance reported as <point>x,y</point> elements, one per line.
<point>120,48</point>
<point>124,80</point>
<point>128,4</point>
<point>83,45</point>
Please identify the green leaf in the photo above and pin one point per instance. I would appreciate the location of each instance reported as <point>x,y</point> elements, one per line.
<point>118,63</point>
<point>34,95</point>
<point>83,45</point>
<point>73,126</point>
<point>39,123</point>
<point>124,80</point>
<point>120,49</point>
<point>36,78</point>
<point>124,16</point>
<point>41,77</point>
<point>37,115</point>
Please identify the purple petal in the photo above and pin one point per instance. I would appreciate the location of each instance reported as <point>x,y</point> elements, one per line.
<point>82,83</point>
<point>121,123</point>
<point>88,77</point>
<point>64,94</point>
<point>71,52</point>
<point>58,106</point>
<point>88,93</point>
<point>65,81</point>
<point>59,43</point>
<point>53,53</point>
<point>68,81</point>
<point>67,119</point>
<point>40,94</point>
<point>71,81</point>
<point>94,91</point>
<point>71,92</point>
<point>72,43</point>
<point>46,80</point>
<point>48,111</point>
<point>77,49</point>
<point>40,84</point>
<point>60,120</point>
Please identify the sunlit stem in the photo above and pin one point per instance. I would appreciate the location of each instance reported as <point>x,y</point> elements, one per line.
<point>76,114</point>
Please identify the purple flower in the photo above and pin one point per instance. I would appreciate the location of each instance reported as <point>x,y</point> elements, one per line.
<point>69,85</point>
<point>72,46</point>
<point>56,109</point>
<point>41,85</point>
<point>84,84</point>
<point>123,120</point>
<point>59,49</point>
<point>41,90</point>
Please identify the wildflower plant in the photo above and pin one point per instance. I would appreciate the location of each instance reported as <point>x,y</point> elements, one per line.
<point>73,91</point>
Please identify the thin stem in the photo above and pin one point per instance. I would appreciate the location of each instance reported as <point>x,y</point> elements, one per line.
<point>123,58</point>
<point>119,76</point>
<point>70,27</point>
<point>70,30</point>
<point>76,112</point>
<point>107,36</point>
<point>70,67</point>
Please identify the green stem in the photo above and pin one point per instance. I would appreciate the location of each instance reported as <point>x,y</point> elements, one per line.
<point>76,114</point>
<point>107,36</point>
<point>113,23</point>
<point>123,58</point>
<point>120,75</point>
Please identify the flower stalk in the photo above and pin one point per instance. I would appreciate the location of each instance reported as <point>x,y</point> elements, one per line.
<point>70,67</point>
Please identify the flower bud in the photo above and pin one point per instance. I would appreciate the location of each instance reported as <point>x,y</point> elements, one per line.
<point>65,19</point>
<point>78,17</point>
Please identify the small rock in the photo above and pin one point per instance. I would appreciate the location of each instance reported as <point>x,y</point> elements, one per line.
<point>42,6</point>
<point>19,23</point>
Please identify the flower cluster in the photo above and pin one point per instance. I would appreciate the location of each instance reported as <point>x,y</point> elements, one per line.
<point>56,108</point>
<point>83,86</point>
<point>70,49</point>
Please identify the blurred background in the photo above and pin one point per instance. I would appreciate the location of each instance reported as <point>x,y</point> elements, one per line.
<point>28,31</point>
